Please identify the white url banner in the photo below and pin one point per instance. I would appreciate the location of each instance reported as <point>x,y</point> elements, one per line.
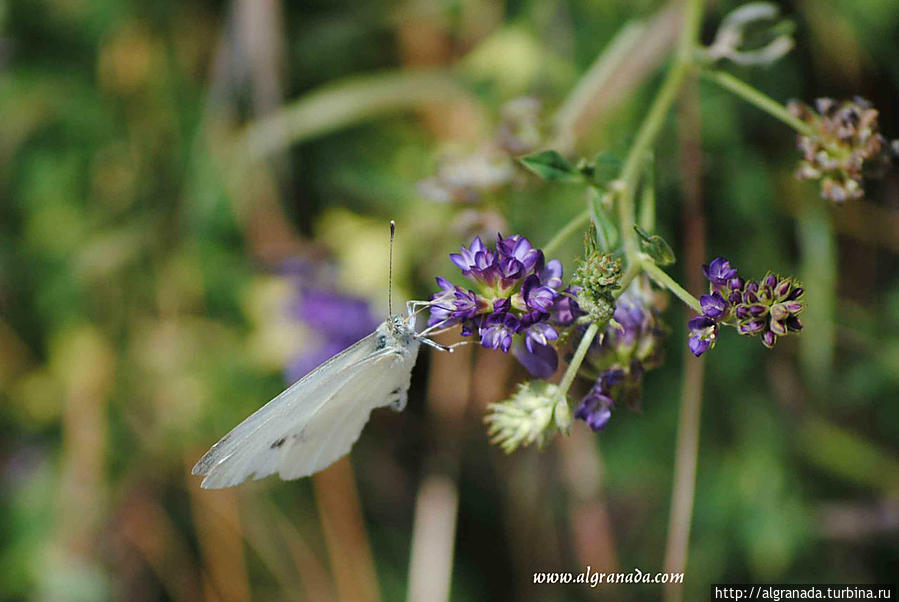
<point>595,578</point>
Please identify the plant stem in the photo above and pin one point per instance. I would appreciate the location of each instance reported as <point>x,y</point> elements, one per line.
<point>647,217</point>
<point>757,98</point>
<point>652,125</point>
<point>567,230</point>
<point>578,358</point>
<point>659,275</point>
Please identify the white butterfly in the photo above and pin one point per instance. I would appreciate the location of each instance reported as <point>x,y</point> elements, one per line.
<point>316,421</point>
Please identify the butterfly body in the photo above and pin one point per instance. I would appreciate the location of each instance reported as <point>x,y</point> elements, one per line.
<point>317,419</point>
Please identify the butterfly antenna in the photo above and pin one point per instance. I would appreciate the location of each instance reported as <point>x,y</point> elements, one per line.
<point>390,271</point>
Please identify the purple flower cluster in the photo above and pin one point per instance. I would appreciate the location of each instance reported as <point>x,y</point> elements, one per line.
<point>335,319</point>
<point>514,304</point>
<point>769,307</point>
<point>630,346</point>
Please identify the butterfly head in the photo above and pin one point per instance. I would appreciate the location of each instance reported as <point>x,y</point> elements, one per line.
<point>403,329</point>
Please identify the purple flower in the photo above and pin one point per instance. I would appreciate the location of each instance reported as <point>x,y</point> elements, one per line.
<point>453,304</point>
<point>498,330</point>
<point>719,271</point>
<point>595,409</point>
<point>536,296</point>
<point>540,333</point>
<point>513,304</point>
<point>519,248</point>
<point>442,303</point>
<point>713,306</point>
<point>566,310</point>
<point>551,274</point>
<point>632,317</point>
<point>466,259</point>
<point>703,334</point>
<point>509,271</point>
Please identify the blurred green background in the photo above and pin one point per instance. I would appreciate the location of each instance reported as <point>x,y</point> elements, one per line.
<point>159,161</point>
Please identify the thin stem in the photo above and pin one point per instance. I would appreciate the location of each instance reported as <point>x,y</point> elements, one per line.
<point>659,275</point>
<point>652,125</point>
<point>578,358</point>
<point>567,230</point>
<point>647,215</point>
<point>757,98</point>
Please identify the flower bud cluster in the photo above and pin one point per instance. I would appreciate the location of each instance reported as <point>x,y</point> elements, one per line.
<point>597,277</point>
<point>768,308</point>
<point>844,146</point>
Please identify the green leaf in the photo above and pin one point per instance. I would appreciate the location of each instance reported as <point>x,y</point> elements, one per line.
<point>656,247</point>
<point>550,165</point>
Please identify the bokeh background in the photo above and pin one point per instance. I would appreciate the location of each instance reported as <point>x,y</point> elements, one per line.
<point>176,180</point>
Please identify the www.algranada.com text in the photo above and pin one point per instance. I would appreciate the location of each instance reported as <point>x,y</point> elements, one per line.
<point>594,578</point>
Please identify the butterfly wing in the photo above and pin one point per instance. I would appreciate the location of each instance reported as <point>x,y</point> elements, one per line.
<point>331,433</point>
<point>317,419</point>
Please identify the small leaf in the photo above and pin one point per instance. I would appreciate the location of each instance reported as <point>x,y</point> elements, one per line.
<point>550,165</point>
<point>655,246</point>
<point>645,236</point>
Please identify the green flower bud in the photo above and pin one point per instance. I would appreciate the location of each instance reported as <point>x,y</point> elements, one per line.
<point>597,275</point>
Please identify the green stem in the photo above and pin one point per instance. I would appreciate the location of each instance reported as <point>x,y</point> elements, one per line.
<point>567,230</point>
<point>757,98</point>
<point>652,125</point>
<point>648,196</point>
<point>659,275</point>
<point>578,358</point>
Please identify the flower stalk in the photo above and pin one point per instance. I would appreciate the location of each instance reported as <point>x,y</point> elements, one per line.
<point>652,125</point>
<point>578,359</point>
<point>756,98</point>
<point>666,281</point>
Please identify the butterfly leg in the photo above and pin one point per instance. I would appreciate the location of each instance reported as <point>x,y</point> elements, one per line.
<point>436,345</point>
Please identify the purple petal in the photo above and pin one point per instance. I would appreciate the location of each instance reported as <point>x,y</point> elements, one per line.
<point>541,360</point>
<point>551,274</point>
<point>539,335</point>
<point>700,323</point>
<point>714,306</point>
<point>698,345</point>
